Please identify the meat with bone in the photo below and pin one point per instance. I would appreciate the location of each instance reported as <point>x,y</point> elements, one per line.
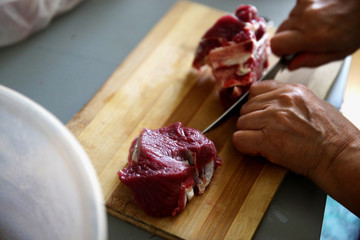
<point>166,166</point>
<point>236,48</point>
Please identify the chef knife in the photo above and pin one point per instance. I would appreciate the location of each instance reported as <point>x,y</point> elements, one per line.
<point>235,108</point>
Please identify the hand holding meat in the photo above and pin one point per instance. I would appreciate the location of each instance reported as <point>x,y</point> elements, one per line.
<point>291,127</point>
<point>320,31</point>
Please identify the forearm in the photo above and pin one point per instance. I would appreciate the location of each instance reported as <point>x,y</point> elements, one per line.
<point>341,178</point>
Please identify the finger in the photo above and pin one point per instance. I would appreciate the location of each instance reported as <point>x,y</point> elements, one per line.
<point>248,142</point>
<point>254,120</point>
<point>261,102</point>
<point>291,23</point>
<point>300,7</point>
<point>287,24</point>
<point>314,59</point>
<point>252,106</point>
<point>298,2</point>
<point>258,88</point>
<point>288,42</point>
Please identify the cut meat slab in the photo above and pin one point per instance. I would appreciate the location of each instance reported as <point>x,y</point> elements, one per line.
<point>167,166</point>
<point>236,48</point>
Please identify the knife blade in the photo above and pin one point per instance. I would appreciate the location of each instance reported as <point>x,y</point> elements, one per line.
<point>235,108</point>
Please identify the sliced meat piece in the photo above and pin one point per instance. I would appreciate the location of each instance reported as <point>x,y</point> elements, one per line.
<point>236,48</point>
<point>166,166</point>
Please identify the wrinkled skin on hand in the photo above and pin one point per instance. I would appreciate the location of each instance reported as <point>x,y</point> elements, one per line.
<point>283,122</point>
<point>321,31</point>
<point>288,125</point>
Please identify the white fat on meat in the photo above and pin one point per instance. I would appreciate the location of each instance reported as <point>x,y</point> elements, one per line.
<point>208,172</point>
<point>205,181</point>
<point>237,57</point>
<point>135,151</point>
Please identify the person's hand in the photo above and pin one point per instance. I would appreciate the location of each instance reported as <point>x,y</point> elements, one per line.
<point>288,125</point>
<point>320,31</point>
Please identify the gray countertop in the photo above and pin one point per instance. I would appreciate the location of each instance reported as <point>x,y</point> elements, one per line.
<point>63,66</point>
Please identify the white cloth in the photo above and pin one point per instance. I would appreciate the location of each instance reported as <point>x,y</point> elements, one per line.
<point>21,18</point>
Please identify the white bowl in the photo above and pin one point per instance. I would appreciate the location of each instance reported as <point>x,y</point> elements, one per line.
<point>48,186</point>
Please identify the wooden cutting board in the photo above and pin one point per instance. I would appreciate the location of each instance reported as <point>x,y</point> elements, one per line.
<point>155,86</point>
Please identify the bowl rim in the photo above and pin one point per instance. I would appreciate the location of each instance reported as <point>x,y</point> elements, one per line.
<point>84,166</point>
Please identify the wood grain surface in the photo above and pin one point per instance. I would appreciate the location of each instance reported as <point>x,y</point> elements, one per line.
<point>155,86</point>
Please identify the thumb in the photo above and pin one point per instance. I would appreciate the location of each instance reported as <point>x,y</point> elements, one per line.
<point>308,59</point>
<point>287,42</point>
<point>247,141</point>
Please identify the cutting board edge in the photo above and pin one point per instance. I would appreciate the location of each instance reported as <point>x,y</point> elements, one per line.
<point>280,180</point>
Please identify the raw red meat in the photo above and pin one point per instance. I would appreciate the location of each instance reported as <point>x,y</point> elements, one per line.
<point>166,166</point>
<point>236,47</point>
